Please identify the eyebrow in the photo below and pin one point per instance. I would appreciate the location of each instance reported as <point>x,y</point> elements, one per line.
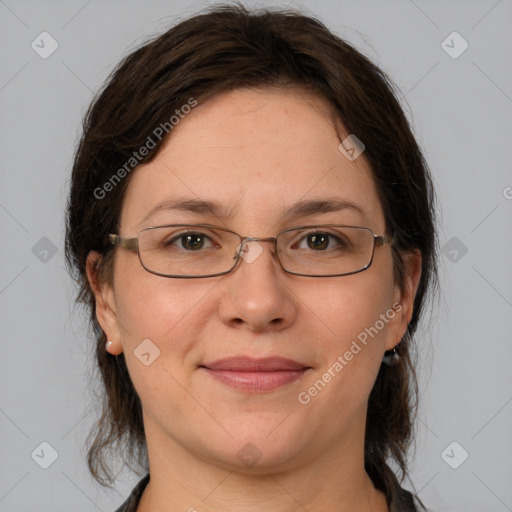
<point>302,208</point>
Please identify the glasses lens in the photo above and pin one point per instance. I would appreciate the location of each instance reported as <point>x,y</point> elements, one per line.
<point>185,250</point>
<point>326,250</point>
<point>188,250</point>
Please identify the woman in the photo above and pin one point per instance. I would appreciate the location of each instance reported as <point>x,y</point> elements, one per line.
<point>251,223</point>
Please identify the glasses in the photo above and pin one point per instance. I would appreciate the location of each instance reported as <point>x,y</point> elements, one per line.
<point>203,250</point>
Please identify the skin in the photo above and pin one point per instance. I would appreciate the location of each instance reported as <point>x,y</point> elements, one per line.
<point>257,152</point>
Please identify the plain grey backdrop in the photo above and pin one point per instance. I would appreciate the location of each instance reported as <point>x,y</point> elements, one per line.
<point>452,62</point>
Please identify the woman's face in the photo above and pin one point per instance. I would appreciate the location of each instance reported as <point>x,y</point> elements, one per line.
<point>256,154</point>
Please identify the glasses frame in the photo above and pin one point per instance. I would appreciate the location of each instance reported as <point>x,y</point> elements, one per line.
<point>132,245</point>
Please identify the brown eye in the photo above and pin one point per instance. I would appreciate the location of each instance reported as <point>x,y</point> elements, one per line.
<point>193,241</point>
<point>188,241</point>
<point>318,241</point>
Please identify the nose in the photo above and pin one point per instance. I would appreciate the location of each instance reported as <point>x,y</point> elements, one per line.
<point>257,296</point>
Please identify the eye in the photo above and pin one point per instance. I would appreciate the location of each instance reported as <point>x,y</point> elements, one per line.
<point>191,241</point>
<point>321,240</point>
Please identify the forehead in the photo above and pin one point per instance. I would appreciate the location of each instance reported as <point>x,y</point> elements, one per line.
<point>256,153</point>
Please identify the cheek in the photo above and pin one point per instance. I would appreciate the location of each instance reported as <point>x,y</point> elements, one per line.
<point>169,312</point>
<point>351,306</point>
<point>349,349</point>
<point>351,316</point>
<point>172,315</point>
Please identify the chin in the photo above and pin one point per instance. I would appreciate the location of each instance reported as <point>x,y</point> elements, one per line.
<point>259,446</point>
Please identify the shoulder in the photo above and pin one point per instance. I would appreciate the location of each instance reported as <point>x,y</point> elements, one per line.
<point>131,503</point>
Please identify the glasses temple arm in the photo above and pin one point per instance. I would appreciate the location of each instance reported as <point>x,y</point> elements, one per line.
<point>130,244</point>
<point>383,240</point>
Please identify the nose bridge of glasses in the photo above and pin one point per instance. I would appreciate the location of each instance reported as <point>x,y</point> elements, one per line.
<point>243,244</point>
<point>255,239</point>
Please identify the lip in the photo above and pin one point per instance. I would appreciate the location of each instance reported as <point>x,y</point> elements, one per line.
<point>251,364</point>
<point>255,375</point>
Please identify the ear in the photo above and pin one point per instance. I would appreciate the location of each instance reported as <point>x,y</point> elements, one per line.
<point>403,299</point>
<point>105,303</point>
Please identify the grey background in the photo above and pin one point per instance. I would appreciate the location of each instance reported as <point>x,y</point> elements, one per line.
<point>461,110</point>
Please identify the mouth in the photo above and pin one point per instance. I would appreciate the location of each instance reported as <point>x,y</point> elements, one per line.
<point>255,375</point>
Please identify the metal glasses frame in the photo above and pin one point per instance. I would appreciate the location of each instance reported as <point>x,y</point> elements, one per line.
<point>132,245</point>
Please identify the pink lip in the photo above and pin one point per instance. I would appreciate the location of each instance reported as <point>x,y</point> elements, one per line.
<point>255,375</point>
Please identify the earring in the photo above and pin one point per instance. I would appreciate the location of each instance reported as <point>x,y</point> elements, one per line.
<point>391,357</point>
<point>107,345</point>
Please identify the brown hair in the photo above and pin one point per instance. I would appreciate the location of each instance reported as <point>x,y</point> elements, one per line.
<point>221,49</point>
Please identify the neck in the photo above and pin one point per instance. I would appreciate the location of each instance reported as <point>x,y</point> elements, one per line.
<point>180,480</point>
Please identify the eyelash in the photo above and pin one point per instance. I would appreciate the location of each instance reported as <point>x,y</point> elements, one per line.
<point>180,236</point>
